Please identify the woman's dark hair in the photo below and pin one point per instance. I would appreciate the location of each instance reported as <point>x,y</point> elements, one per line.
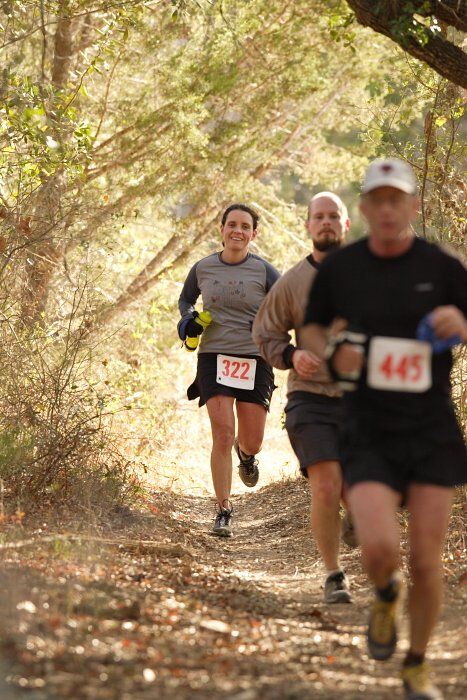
<point>243,207</point>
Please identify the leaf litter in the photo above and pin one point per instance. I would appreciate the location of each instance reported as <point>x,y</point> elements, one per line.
<point>154,607</point>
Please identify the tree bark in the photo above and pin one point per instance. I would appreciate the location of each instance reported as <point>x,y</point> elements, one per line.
<point>63,48</point>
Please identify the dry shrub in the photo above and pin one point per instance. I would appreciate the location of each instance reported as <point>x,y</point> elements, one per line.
<point>56,445</point>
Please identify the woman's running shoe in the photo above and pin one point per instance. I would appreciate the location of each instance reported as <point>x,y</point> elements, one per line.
<point>223,523</point>
<point>248,467</point>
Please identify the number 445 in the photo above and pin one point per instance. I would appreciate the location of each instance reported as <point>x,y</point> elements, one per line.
<point>407,367</point>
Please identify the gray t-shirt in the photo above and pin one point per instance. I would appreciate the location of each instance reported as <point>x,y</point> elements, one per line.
<point>232,293</point>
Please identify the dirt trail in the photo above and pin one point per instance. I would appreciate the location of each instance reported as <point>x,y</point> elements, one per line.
<point>160,609</point>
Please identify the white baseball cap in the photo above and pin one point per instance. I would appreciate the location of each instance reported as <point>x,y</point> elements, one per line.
<point>390,173</point>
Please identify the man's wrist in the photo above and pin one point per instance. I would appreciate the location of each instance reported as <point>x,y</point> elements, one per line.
<point>287,355</point>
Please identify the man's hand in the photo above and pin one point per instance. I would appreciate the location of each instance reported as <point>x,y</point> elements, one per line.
<point>448,321</point>
<point>345,354</point>
<point>348,359</point>
<point>305,363</point>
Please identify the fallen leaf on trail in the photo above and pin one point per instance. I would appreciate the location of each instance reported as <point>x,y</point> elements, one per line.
<point>27,606</point>
<point>216,626</point>
<point>124,610</point>
<point>225,666</point>
<point>177,672</point>
<point>149,675</point>
<point>255,623</point>
<point>55,621</point>
<point>249,694</point>
<point>128,625</point>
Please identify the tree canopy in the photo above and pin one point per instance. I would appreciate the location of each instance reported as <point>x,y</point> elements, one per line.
<point>152,116</point>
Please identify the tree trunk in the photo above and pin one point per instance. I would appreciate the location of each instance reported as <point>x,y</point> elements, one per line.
<point>63,48</point>
<point>46,248</point>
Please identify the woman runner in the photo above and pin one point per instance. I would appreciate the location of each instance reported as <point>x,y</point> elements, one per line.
<point>232,284</point>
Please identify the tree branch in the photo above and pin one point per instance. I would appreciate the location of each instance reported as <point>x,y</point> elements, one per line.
<point>443,56</point>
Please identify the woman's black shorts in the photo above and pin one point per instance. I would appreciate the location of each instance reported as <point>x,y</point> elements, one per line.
<point>205,385</point>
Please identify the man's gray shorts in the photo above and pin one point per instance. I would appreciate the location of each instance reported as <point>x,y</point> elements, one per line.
<point>313,422</point>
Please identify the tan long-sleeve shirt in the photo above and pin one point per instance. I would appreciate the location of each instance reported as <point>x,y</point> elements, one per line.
<point>283,310</point>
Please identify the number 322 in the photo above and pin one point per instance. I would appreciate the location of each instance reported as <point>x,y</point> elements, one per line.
<point>235,367</point>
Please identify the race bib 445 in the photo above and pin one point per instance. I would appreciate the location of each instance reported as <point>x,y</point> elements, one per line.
<point>237,372</point>
<point>399,364</point>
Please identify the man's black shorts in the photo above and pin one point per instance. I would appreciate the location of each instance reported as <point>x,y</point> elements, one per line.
<point>312,422</point>
<point>434,454</point>
<point>205,385</point>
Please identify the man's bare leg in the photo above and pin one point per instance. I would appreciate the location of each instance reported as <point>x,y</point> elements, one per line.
<point>326,488</point>
<point>374,506</point>
<point>429,508</point>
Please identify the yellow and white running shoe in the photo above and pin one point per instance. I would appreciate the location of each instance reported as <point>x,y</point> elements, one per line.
<point>417,684</point>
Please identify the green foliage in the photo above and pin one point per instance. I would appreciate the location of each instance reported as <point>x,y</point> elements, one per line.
<point>340,23</point>
<point>160,108</point>
<point>40,143</point>
<point>434,145</point>
<point>411,25</point>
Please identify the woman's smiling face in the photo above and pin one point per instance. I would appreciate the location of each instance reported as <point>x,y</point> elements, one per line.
<point>238,232</point>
